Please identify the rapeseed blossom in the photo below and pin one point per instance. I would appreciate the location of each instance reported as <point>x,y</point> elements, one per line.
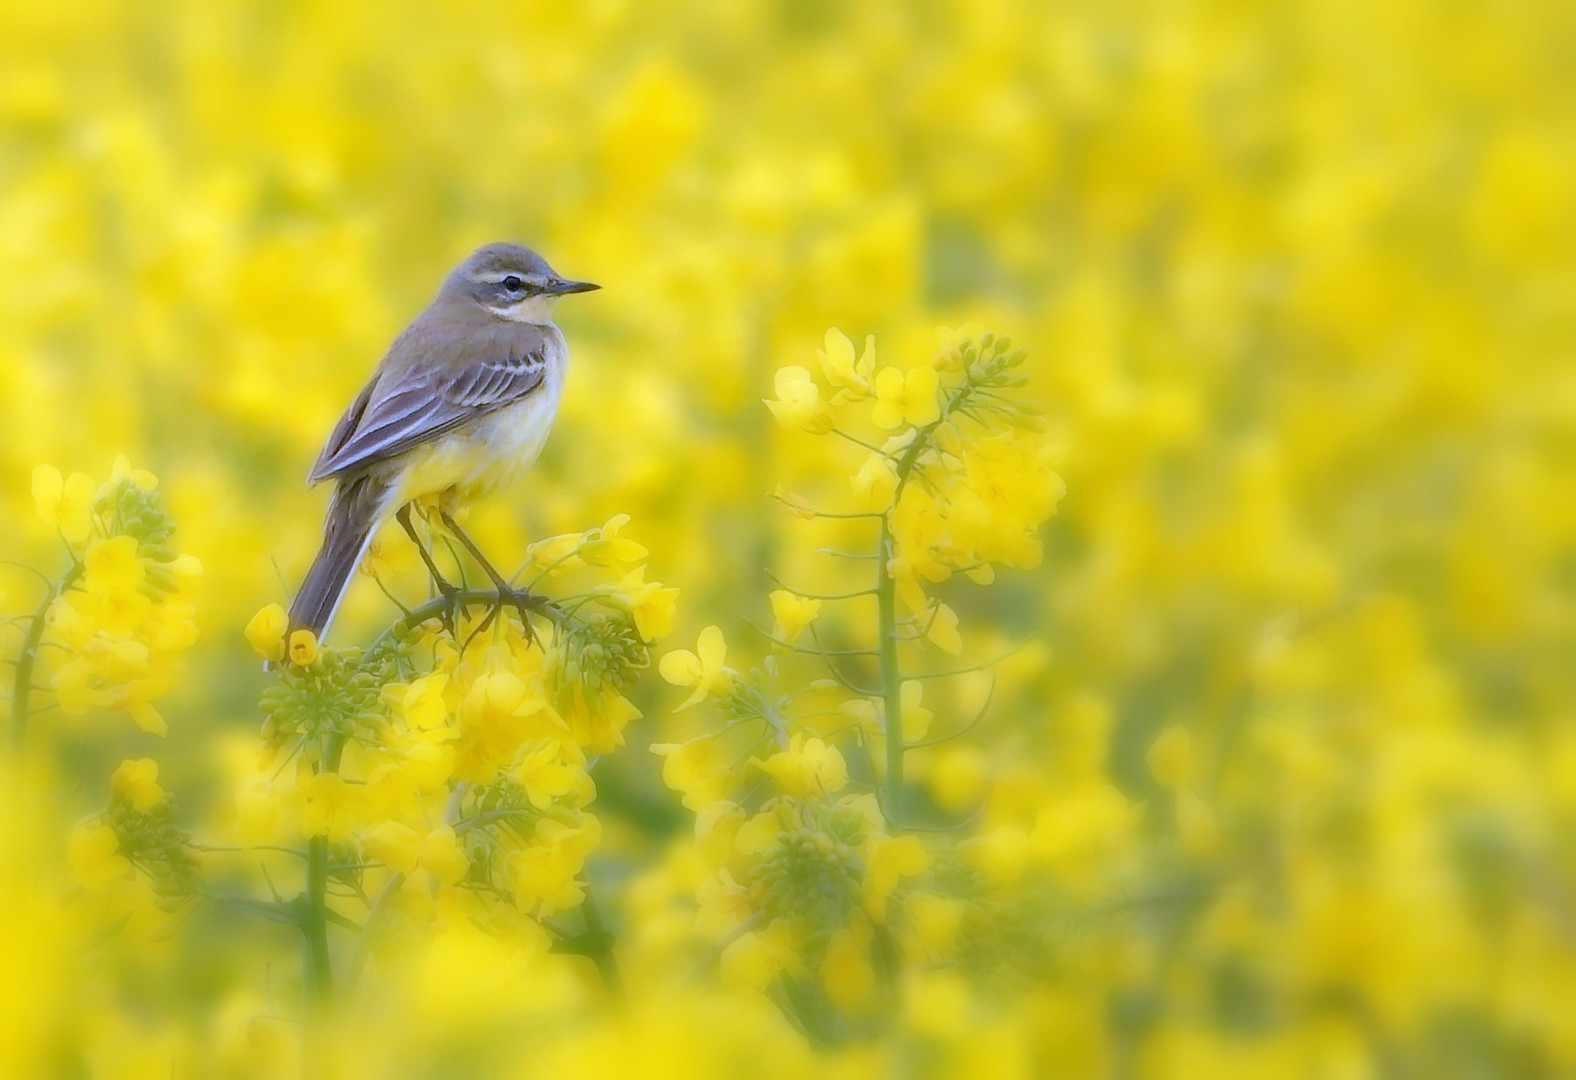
<point>117,622</point>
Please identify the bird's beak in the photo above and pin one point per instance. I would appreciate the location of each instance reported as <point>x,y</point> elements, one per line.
<point>561,286</point>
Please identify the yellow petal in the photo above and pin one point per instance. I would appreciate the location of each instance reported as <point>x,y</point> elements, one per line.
<point>712,647</point>
<point>266,632</point>
<point>680,668</point>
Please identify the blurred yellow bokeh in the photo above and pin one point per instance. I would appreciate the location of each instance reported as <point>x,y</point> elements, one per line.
<point>1260,754</point>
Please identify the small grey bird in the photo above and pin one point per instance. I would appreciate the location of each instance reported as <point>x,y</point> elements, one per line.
<point>464,398</point>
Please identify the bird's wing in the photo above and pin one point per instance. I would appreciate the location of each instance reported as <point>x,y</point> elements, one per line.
<point>395,413</point>
<point>343,430</point>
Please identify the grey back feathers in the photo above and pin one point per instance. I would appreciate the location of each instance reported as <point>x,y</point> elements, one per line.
<point>443,371</point>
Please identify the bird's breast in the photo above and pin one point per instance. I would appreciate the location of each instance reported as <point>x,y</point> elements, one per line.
<point>485,453</point>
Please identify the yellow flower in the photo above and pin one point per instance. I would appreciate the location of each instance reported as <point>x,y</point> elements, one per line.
<point>755,957</point>
<point>888,859</point>
<point>808,767</point>
<point>875,483</point>
<point>557,555</point>
<point>702,669</point>
<point>650,603</point>
<point>394,844</point>
<point>850,376</point>
<point>93,852</point>
<point>303,648</point>
<point>797,406</point>
<point>793,613</point>
<point>442,856</point>
<point>543,774</point>
<point>1170,758</point>
<point>136,697</point>
<point>137,781</point>
<point>141,477</point>
<point>65,503</point>
<point>716,830</point>
<point>402,848</point>
<point>266,632</point>
<point>605,547</point>
<point>597,718</point>
<point>1009,490</point>
<point>331,808</point>
<point>187,570</point>
<point>950,339</point>
<point>545,876</point>
<point>870,714</point>
<point>758,833</point>
<point>696,769</point>
<point>420,703</point>
<point>905,399</point>
<point>112,567</point>
<point>796,503</point>
<point>499,712</point>
<point>429,764</point>
<point>392,791</point>
<point>722,905</point>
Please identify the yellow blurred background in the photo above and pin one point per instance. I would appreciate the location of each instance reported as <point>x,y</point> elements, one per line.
<point>1296,285</point>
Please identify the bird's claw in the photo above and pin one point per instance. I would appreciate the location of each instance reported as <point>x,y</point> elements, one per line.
<point>449,617</point>
<point>524,603</point>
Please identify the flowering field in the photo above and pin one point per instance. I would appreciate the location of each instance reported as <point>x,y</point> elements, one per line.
<point>1056,559</point>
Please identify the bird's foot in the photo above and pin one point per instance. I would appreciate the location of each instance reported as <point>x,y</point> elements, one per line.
<point>450,616</point>
<point>524,603</point>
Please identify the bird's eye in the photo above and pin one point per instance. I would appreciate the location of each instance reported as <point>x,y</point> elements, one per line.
<point>513,283</point>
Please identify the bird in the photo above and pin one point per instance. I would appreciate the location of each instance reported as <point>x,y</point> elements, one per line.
<point>462,401</point>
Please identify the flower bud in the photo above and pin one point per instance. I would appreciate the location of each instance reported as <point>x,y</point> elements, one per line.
<point>303,648</point>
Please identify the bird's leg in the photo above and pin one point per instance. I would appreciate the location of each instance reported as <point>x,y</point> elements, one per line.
<point>450,594</point>
<point>523,601</point>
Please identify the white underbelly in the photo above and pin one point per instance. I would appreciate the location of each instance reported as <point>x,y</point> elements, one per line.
<point>515,437</point>
<point>483,454</point>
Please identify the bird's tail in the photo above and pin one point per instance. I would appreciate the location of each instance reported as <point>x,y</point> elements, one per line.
<point>353,516</point>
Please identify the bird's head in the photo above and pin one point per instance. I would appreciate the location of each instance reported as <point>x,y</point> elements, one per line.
<point>512,282</point>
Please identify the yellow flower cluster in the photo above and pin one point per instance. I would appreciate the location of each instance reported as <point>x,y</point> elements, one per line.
<point>124,613</point>
<point>956,497</point>
<point>460,758</point>
<point>814,892</point>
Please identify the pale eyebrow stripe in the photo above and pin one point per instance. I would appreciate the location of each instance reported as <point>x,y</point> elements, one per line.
<point>497,276</point>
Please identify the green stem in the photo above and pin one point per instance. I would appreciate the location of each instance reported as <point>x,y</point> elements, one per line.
<point>886,611</point>
<point>314,917</point>
<point>22,689</point>
<point>314,927</point>
<point>891,682</point>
